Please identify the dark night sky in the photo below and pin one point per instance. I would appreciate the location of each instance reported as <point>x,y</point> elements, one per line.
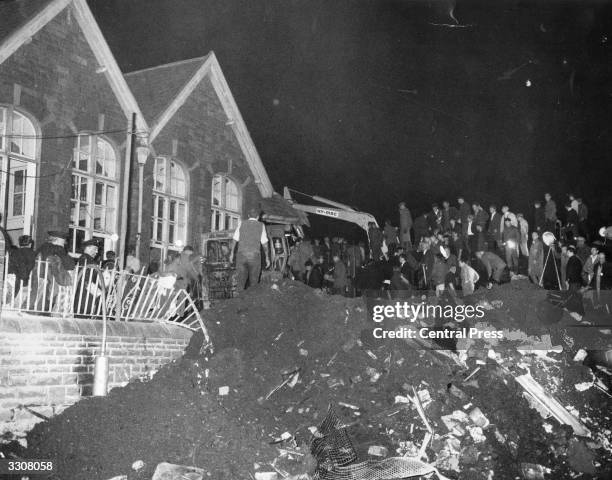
<point>320,83</point>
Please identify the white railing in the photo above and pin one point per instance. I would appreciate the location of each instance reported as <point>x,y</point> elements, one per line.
<point>129,297</point>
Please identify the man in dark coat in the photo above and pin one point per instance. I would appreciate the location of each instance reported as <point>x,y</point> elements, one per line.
<point>56,245</point>
<point>421,228</point>
<point>87,287</point>
<point>511,238</point>
<point>21,262</point>
<point>464,210</point>
<point>313,276</point>
<point>496,268</point>
<point>494,231</point>
<point>573,270</point>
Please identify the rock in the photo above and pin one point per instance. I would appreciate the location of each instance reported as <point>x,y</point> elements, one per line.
<point>266,475</point>
<point>170,471</point>
<point>580,457</point>
<point>531,471</point>
<point>378,451</point>
<point>137,465</point>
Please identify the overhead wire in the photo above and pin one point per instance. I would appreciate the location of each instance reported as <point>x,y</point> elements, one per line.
<point>71,159</point>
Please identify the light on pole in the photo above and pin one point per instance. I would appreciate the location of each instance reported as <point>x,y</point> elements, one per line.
<point>142,154</point>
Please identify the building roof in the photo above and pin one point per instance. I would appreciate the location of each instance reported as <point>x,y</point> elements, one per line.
<point>156,88</point>
<point>14,14</point>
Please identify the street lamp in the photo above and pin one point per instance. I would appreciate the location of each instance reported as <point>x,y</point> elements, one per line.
<point>142,153</point>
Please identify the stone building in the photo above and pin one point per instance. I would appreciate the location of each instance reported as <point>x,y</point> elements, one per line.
<point>69,147</point>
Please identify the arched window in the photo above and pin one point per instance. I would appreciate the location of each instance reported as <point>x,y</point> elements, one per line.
<point>170,205</point>
<point>95,187</point>
<point>226,204</point>
<point>18,150</point>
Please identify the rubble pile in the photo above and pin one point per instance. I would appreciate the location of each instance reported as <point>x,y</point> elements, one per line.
<point>284,353</point>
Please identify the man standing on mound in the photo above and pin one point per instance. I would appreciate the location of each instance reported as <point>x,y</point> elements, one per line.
<point>250,235</point>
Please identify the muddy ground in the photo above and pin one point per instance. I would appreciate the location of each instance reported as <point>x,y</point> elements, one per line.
<point>219,411</point>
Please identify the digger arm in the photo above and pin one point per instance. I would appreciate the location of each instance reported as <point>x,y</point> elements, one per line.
<point>359,218</point>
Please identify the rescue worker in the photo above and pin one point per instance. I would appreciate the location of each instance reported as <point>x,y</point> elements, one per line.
<point>536,258</point>
<point>250,235</point>
<point>87,289</point>
<point>511,238</point>
<point>496,268</point>
<point>405,226</point>
<point>90,252</point>
<point>21,262</point>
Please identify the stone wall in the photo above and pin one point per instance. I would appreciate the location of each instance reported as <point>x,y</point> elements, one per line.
<point>47,364</point>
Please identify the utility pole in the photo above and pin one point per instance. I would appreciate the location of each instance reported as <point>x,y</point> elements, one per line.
<point>129,157</point>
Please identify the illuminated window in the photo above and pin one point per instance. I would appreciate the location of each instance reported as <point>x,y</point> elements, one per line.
<point>18,149</point>
<point>95,187</point>
<point>226,205</point>
<point>170,206</point>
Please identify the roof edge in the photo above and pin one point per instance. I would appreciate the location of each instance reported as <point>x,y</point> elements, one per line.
<point>167,65</point>
<point>212,69</point>
<point>17,38</point>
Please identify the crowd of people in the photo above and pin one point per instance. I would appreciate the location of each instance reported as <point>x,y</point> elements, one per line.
<point>462,246</point>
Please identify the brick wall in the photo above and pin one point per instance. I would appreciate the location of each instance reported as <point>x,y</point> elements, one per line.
<point>47,364</point>
<point>62,92</point>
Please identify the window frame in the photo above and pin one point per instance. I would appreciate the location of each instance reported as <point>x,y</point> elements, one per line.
<point>92,179</point>
<point>173,220</point>
<point>27,162</point>
<point>221,214</point>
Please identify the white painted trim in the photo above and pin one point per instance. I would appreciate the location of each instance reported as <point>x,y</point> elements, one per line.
<point>105,58</point>
<point>240,130</point>
<point>27,31</point>
<point>180,99</point>
<point>212,69</point>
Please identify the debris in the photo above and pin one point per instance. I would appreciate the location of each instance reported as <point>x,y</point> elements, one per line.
<point>170,471</point>
<point>471,374</point>
<point>223,391</point>
<point>417,403</point>
<point>580,355</point>
<point>552,405</point>
<point>581,387</point>
<point>478,418</point>
<point>119,477</point>
<point>292,378</point>
<point>580,457</point>
<point>137,465</point>
<point>456,392</point>
<point>348,405</point>
<point>531,471</point>
<point>378,451</point>
<point>476,434</point>
<point>266,475</point>
<point>303,352</point>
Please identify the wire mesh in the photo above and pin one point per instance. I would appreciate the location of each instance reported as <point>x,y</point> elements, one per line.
<point>336,456</point>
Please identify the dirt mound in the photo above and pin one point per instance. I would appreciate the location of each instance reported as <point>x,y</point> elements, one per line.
<point>284,353</point>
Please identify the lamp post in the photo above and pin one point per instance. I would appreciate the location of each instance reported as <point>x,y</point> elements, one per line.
<point>142,153</point>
